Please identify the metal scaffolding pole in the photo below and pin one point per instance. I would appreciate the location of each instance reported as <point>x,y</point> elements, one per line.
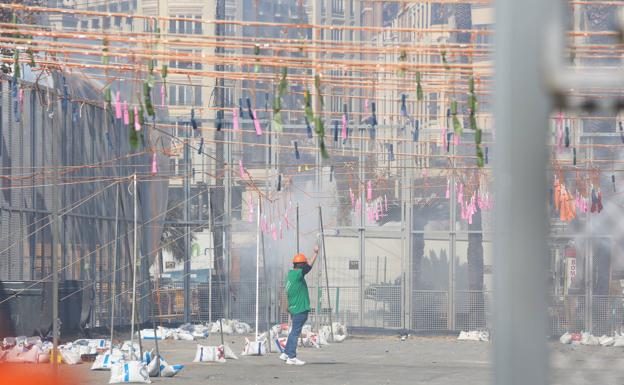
<point>56,240</point>
<point>135,260</point>
<point>520,222</point>
<point>187,233</point>
<point>362,227</point>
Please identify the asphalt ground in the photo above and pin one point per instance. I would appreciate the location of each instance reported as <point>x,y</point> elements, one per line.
<point>373,360</point>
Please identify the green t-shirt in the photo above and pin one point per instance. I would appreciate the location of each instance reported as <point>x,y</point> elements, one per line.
<point>297,291</point>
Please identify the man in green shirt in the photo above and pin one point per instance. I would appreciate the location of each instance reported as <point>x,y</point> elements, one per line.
<point>298,304</point>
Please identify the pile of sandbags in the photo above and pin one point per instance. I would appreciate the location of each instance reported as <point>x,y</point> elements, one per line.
<point>340,332</point>
<point>585,338</point>
<point>230,327</point>
<point>24,349</point>
<point>186,332</point>
<point>474,335</point>
<point>34,350</point>
<point>121,362</point>
<point>279,335</point>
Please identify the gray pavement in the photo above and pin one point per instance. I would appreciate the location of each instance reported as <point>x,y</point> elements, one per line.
<point>367,360</point>
<point>363,360</point>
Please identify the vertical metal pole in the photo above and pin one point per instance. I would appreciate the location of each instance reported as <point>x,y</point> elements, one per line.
<point>114,271</point>
<point>55,238</point>
<point>377,283</point>
<point>298,229</point>
<point>257,267</point>
<point>520,222</point>
<point>452,248</point>
<point>589,283</point>
<point>331,323</point>
<point>210,295</point>
<point>362,228</point>
<point>134,265</point>
<point>187,234</point>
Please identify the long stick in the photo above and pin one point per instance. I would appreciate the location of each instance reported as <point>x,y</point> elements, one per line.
<point>114,283</point>
<point>266,288</point>
<point>331,323</point>
<point>257,267</point>
<point>298,229</point>
<point>134,266</point>
<point>149,287</point>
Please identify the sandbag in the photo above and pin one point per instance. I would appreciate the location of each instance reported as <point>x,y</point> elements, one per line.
<point>31,341</point>
<point>152,367</point>
<point>340,332</point>
<point>23,355</point>
<point>106,361</point>
<point>242,328</point>
<point>43,358</point>
<point>131,371</point>
<point>589,340</point>
<point>606,341</point>
<point>171,370</point>
<point>280,343</point>
<point>148,355</point>
<point>70,357</point>
<point>148,334</point>
<point>8,342</point>
<point>566,338</point>
<point>229,353</point>
<point>474,335</point>
<point>185,336</point>
<point>254,348</point>
<point>619,341</point>
<point>339,337</point>
<point>209,354</point>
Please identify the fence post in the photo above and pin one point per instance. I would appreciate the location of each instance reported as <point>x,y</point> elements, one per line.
<point>521,108</point>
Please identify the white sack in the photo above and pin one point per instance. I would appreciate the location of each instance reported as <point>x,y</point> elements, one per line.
<point>254,348</point>
<point>209,354</point>
<point>131,371</point>
<point>171,370</point>
<point>565,338</point>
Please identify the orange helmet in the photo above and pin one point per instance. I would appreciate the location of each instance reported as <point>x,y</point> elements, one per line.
<point>300,258</point>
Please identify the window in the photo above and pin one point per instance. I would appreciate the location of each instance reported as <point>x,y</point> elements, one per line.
<point>95,23</point>
<point>192,62</point>
<point>198,96</point>
<point>172,95</point>
<point>183,95</point>
<point>198,26</point>
<point>186,26</point>
<point>338,6</point>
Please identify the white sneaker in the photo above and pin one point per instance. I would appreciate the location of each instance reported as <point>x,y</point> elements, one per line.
<point>283,356</point>
<point>294,361</point>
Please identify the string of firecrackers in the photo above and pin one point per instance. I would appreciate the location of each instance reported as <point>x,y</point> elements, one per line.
<point>586,198</point>
<point>470,196</point>
<point>130,117</point>
<point>139,116</point>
